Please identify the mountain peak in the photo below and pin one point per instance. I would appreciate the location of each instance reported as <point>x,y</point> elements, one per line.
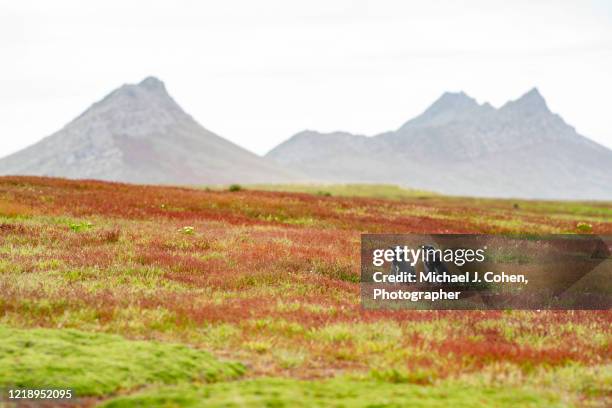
<point>532,102</point>
<point>454,99</point>
<point>152,83</point>
<point>448,107</point>
<point>143,91</point>
<point>533,92</point>
<point>533,96</point>
<point>452,102</point>
<point>135,109</point>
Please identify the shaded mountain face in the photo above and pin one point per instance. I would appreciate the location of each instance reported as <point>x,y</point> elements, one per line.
<point>139,134</point>
<point>460,147</point>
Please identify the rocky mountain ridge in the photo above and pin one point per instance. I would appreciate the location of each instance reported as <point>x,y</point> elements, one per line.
<point>458,146</point>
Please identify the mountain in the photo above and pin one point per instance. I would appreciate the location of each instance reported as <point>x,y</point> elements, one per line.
<point>139,134</point>
<point>460,147</point>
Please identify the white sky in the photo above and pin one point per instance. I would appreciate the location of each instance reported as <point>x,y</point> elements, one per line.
<point>256,72</point>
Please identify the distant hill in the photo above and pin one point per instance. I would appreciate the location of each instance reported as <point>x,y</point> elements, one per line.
<point>139,134</point>
<point>458,146</point>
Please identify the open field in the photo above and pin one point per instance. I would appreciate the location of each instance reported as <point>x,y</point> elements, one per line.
<point>347,190</point>
<point>161,296</point>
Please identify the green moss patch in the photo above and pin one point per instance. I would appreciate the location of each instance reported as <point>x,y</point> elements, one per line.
<point>98,364</point>
<point>270,392</point>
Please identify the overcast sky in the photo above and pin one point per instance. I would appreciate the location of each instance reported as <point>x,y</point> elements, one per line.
<point>256,72</point>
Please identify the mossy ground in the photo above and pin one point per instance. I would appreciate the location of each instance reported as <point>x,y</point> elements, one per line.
<point>95,364</point>
<point>339,392</point>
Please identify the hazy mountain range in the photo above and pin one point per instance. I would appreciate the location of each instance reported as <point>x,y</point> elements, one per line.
<point>138,133</point>
<point>458,146</point>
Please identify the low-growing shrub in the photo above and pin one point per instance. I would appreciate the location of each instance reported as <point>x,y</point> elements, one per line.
<point>584,227</point>
<point>80,226</point>
<point>110,236</point>
<point>188,230</point>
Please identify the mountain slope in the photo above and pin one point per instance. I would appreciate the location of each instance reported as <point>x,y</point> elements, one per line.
<point>139,134</point>
<point>458,146</point>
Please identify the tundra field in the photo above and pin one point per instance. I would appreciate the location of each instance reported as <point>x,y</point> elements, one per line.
<point>162,296</point>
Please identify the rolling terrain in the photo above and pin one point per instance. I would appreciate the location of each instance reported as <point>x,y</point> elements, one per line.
<point>172,296</point>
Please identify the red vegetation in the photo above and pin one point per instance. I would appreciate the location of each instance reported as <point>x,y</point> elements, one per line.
<point>290,258</point>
